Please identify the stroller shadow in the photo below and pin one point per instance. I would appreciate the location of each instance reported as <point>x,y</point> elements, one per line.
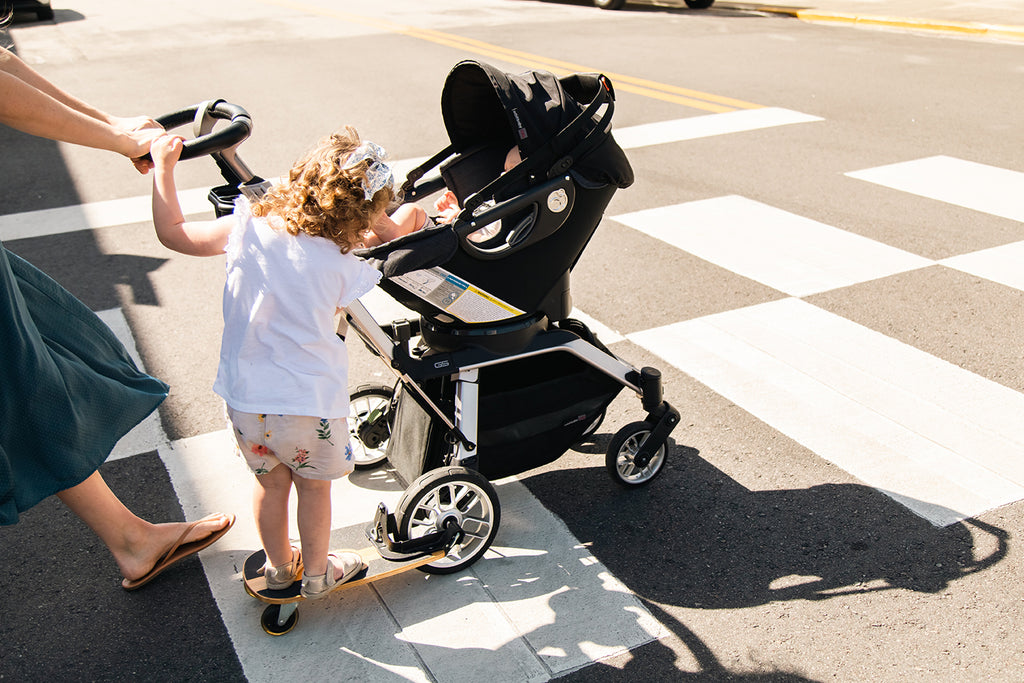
<point>720,545</point>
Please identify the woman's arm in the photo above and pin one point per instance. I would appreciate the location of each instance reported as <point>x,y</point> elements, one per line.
<point>33,105</point>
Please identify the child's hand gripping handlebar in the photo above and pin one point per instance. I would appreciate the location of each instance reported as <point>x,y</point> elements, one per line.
<point>222,143</point>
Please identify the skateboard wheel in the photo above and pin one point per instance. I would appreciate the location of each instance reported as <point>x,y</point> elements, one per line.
<point>270,618</point>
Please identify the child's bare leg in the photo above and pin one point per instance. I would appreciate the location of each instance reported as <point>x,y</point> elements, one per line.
<point>270,507</point>
<point>314,519</point>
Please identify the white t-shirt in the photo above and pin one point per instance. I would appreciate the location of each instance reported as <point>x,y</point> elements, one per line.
<point>280,353</point>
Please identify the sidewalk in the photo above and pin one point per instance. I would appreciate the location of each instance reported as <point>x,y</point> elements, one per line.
<point>997,19</point>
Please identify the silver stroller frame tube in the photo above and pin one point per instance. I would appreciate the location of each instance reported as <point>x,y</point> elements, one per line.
<point>392,347</point>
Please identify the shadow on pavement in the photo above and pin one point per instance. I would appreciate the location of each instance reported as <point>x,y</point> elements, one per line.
<point>719,545</point>
<point>695,538</point>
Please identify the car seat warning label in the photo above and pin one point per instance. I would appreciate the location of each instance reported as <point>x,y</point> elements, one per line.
<point>455,296</point>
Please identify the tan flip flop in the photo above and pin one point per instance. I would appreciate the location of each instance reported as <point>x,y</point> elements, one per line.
<point>179,551</point>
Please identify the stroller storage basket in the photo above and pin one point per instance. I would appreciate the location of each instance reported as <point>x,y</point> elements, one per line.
<point>531,411</point>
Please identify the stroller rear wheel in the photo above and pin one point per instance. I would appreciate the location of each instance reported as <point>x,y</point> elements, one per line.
<point>451,495</point>
<point>369,424</point>
<point>622,461</point>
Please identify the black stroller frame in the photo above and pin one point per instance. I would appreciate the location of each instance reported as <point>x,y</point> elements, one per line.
<point>493,375</point>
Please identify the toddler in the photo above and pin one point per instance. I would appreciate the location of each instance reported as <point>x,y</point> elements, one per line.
<point>409,217</point>
<point>283,370</point>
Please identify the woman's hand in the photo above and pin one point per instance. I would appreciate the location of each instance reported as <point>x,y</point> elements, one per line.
<point>140,132</point>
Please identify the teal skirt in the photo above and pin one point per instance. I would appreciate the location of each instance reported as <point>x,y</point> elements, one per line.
<point>68,388</point>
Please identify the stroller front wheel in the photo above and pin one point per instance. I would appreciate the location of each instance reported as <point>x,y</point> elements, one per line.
<point>369,424</point>
<point>623,461</point>
<point>451,495</point>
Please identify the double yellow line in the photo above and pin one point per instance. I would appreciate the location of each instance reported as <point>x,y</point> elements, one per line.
<point>623,83</point>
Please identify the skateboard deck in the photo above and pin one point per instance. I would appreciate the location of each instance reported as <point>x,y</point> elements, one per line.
<point>352,537</point>
<point>281,615</point>
<point>378,568</point>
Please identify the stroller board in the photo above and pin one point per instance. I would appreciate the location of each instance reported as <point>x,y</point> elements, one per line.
<point>494,377</point>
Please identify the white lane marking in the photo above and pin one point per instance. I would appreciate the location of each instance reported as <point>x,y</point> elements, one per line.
<point>793,254</point>
<point>943,441</point>
<point>1003,264</point>
<point>94,215</point>
<point>989,189</point>
<point>149,434</point>
<point>529,606</point>
<point>694,127</point>
<point>137,209</point>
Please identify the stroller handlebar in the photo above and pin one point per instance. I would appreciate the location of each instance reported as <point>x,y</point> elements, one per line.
<point>204,116</point>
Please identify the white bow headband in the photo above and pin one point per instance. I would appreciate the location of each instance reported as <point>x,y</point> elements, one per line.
<point>378,175</point>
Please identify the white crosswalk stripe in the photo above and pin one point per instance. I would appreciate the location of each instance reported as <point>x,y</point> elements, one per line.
<point>1000,264</point>
<point>946,443</point>
<point>997,191</point>
<point>795,255</point>
<point>941,440</point>
<point>708,125</point>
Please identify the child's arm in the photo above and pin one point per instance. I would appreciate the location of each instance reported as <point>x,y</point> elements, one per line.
<point>195,238</point>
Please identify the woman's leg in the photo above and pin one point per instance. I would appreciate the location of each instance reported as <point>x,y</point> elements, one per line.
<point>136,544</point>
<point>270,507</point>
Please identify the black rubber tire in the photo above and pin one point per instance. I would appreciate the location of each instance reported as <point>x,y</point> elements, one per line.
<point>451,493</point>
<point>699,4</point>
<point>609,4</point>
<point>268,620</point>
<point>624,445</point>
<point>362,402</point>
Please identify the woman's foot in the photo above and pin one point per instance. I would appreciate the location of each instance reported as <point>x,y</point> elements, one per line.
<point>341,567</point>
<point>142,559</point>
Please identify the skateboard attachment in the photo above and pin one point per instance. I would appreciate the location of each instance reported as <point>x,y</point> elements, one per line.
<point>383,534</point>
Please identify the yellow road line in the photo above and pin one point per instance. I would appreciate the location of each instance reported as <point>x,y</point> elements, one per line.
<point>970,28</point>
<point>638,86</point>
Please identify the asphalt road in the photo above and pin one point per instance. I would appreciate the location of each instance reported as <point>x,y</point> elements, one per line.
<point>818,254</point>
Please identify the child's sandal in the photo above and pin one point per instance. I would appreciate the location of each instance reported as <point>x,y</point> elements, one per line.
<point>351,564</point>
<point>284,575</point>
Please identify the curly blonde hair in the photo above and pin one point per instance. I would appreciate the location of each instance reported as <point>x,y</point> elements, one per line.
<point>323,199</point>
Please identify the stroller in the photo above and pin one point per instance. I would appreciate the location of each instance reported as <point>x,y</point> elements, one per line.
<point>494,377</point>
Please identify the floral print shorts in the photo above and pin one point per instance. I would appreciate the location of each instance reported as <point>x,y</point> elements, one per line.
<point>312,447</point>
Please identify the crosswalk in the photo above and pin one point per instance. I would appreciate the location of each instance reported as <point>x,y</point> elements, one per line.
<point>943,441</point>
